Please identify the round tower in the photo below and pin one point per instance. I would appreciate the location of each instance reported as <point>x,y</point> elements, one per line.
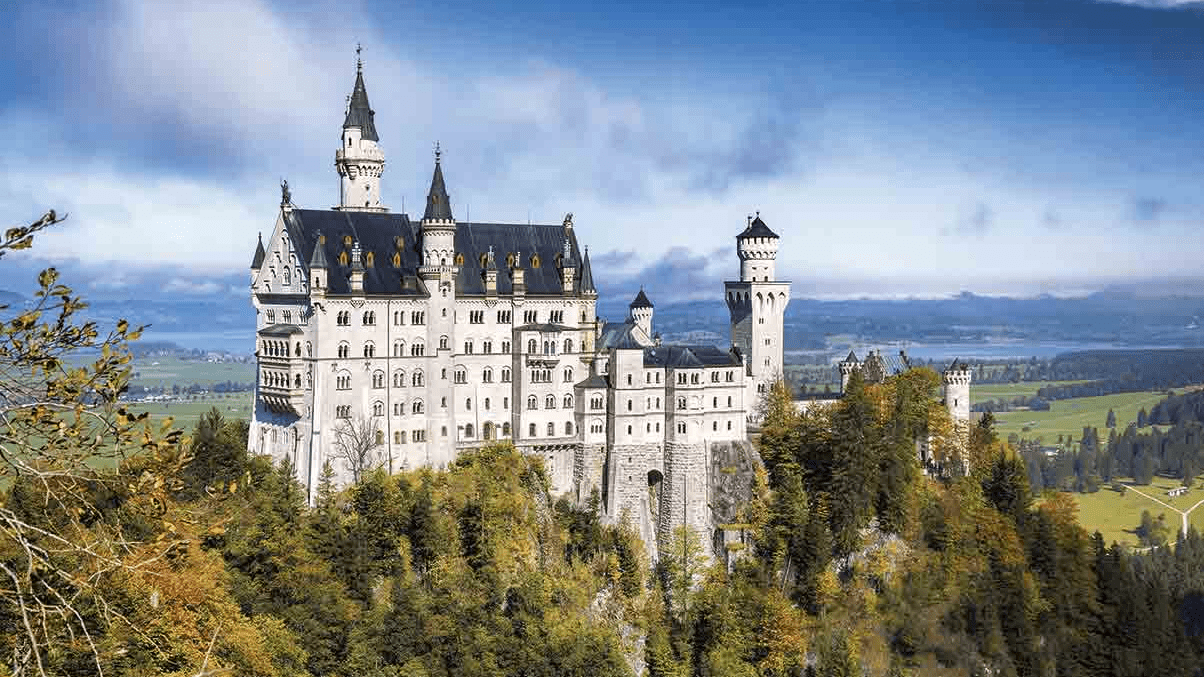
<point>956,379</point>
<point>359,160</point>
<point>847,367</point>
<point>757,247</point>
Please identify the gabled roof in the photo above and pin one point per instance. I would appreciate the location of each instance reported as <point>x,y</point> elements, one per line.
<point>260,254</point>
<point>641,300</point>
<point>618,335</point>
<point>438,204</point>
<point>359,113</point>
<point>587,274</point>
<point>757,229</point>
<point>688,356</point>
<point>594,381</point>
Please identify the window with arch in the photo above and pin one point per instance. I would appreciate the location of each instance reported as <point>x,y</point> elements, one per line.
<point>370,318</point>
<point>681,403</point>
<point>416,379</point>
<point>568,374</point>
<point>399,379</point>
<point>442,343</point>
<point>729,400</point>
<point>658,403</point>
<point>468,404</point>
<point>309,349</point>
<point>486,404</point>
<point>416,407</point>
<point>628,405</point>
<point>532,346</point>
<point>468,430</point>
<point>531,430</point>
<point>369,350</point>
<point>378,408</point>
<point>468,347</point>
<point>505,374</point>
<point>629,379</point>
<point>398,409</point>
<point>568,345</point>
<point>551,429</point>
<point>568,401</point>
<point>343,318</point>
<point>288,278</point>
<point>343,380</point>
<point>343,411</point>
<point>549,402</point>
<point>378,379</point>
<point>487,375</point>
<point>399,349</point>
<point>461,376</point>
<point>297,352</point>
<point>417,349</point>
<point>595,426</point>
<point>595,402</point>
<point>505,346</point>
<point>297,381</point>
<point>532,402</point>
<point>344,350</point>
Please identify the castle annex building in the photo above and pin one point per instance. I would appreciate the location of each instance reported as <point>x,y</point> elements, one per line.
<point>437,335</point>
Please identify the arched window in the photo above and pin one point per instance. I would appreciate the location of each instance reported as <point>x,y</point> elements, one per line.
<point>486,404</point>
<point>287,277</point>
<point>531,346</point>
<point>568,345</point>
<point>506,429</point>
<point>369,350</point>
<point>568,428</point>
<point>297,381</point>
<point>344,350</point>
<point>298,351</point>
<point>461,376</point>
<point>417,349</point>
<point>378,379</point>
<point>399,349</point>
<point>568,401</point>
<point>505,374</point>
<point>343,380</point>
<point>416,407</point>
<point>399,379</point>
<point>487,430</point>
<point>532,402</point>
<point>487,375</point>
<point>549,402</point>
<point>468,404</point>
<point>568,374</point>
<point>309,349</point>
<point>468,430</point>
<point>416,379</point>
<point>442,343</point>
<point>595,402</point>
<point>531,430</point>
<point>628,405</point>
<point>378,408</point>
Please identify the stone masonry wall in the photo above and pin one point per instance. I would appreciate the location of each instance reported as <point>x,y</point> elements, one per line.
<point>685,493</point>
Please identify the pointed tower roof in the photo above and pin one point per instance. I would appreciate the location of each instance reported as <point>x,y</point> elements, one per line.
<point>587,274</point>
<point>359,113</point>
<point>757,228</point>
<point>260,254</point>
<point>852,357</point>
<point>438,204</point>
<point>641,300</point>
<point>318,260</point>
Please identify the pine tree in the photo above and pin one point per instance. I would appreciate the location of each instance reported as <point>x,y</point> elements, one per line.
<point>856,458</point>
<point>1111,422</point>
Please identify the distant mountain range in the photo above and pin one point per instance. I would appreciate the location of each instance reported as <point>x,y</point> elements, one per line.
<point>1112,318</point>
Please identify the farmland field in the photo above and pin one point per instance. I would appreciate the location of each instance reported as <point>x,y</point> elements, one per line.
<point>169,371</point>
<point>999,391</point>
<point>1069,417</point>
<point>187,413</point>
<point>1116,517</point>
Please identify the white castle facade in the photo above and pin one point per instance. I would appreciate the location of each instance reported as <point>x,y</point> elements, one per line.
<point>441,335</point>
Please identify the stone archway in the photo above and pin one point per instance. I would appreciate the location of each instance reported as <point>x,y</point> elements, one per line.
<point>656,483</point>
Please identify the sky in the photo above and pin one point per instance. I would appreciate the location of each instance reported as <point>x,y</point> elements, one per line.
<point>898,147</point>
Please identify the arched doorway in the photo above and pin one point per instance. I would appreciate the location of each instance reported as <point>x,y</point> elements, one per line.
<point>655,483</point>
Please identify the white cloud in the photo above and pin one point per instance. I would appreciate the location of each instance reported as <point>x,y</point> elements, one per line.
<point>1158,4</point>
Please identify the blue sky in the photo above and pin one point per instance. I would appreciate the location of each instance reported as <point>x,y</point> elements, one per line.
<point>900,147</point>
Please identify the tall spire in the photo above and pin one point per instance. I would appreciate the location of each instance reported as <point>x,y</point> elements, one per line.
<point>438,204</point>
<point>260,254</point>
<point>359,113</point>
<point>587,275</point>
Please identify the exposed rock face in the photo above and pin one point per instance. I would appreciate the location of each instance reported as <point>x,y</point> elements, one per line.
<point>731,479</point>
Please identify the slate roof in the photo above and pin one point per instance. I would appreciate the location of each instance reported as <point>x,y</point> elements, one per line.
<point>280,329</point>
<point>438,204</point>
<point>595,381</point>
<point>641,300</point>
<point>618,335</point>
<point>260,254</point>
<point>852,357</point>
<point>687,356</point>
<point>757,229</point>
<point>378,233</point>
<point>359,113</point>
<point>545,327</point>
<point>877,366</point>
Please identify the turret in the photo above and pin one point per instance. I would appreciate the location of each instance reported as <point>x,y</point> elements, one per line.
<point>438,226</point>
<point>757,247</point>
<point>956,379</point>
<point>847,367</point>
<point>257,260</point>
<point>587,276</point>
<point>318,267</point>
<point>641,314</point>
<point>359,160</point>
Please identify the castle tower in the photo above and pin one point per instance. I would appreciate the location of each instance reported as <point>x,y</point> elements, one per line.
<point>437,235</point>
<point>847,367</point>
<point>757,303</point>
<point>359,159</point>
<point>956,380</point>
<point>640,310</point>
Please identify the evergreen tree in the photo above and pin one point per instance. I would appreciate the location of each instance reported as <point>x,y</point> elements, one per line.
<point>1111,422</point>
<point>856,459</point>
<point>1006,487</point>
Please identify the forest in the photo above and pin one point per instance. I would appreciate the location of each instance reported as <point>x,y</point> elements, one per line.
<point>129,547</point>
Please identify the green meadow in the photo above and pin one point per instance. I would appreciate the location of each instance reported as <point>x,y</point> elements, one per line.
<point>1069,417</point>
<point>1116,516</point>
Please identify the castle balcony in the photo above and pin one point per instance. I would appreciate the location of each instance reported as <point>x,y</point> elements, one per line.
<point>282,400</point>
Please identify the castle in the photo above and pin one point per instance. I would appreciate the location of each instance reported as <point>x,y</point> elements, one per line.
<point>383,341</point>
